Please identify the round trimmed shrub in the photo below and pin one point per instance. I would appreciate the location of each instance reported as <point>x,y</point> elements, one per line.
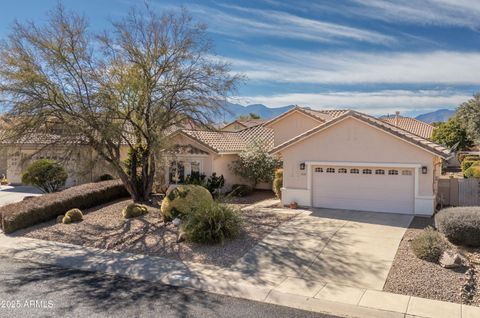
<point>134,210</point>
<point>75,215</point>
<point>278,183</point>
<point>473,171</point>
<point>47,175</point>
<point>460,225</point>
<point>66,220</point>
<point>429,245</point>
<point>184,199</point>
<point>212,223</point>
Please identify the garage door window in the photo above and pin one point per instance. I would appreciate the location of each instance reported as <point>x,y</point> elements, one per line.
<point>342,170</point>
<point>354,171</point>
<point>330,170</point>
<point>379,171</point>
<point>318,170</point>
<point>392,172</point>
<point>406,173</point>
<point>367,171</point>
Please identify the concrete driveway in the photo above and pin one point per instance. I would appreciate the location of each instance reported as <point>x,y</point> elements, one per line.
<point>329,250</point>
<point>12,194</point>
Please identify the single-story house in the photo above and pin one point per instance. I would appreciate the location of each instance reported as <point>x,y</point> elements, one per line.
<point>344,159</point>
<point>340,159</point>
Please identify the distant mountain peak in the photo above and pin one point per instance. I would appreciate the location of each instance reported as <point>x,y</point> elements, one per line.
<point>440,115</point>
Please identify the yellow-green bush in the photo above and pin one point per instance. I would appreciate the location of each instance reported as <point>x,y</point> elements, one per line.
<point>467,163</point>
<point>134,210</point>
<point>278,183</point>
<point>473,171</point>
<point>184,199</point>
<point>66,220</point>
<point>75,215</point>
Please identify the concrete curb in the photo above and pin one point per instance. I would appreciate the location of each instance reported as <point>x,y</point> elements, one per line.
<point>370,303</point>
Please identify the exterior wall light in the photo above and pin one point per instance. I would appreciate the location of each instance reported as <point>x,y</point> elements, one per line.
<point>424,170</point>
<point>302,166</point>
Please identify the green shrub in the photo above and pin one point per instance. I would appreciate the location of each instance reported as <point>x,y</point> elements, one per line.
<point>278,183</point>
<point>47,175</point>
<point>105,177</point>
<point>212,223</point>
<point>463,156</point>
<point>241,190</point>
<point>215,184</point>
<point>195,178</point>
<point>468,163</point>
<point>134,210</point>
<point>66,219</point>
<point>48,206</point>
<point>75,215</point>
<point>473,171</point>
<point>184,199</point>
<point>429,245</point>
<point>460,225</point>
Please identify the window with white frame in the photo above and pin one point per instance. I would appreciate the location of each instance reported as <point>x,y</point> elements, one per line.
<point>406,172</point>
<point>392,172</point>
<point>354,171</point>
<point>367,171</point>
<point>330,170</point>
<point>318,169</point>
<point>342,170</point>
<point>379,171</point>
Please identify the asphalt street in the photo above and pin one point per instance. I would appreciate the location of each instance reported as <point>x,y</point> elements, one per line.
<point>33,290</point>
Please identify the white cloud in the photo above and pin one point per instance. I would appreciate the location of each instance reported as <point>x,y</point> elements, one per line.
<point>438,67</point>
<point>374,103</point>
<point>435,12</point>
<point>279,24</point>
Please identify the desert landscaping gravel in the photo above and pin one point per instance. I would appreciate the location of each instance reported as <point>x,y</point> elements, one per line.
<point>104,227</point>
<point>412,276</point>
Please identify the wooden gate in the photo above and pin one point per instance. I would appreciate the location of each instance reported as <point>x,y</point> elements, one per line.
<point>458,192</point>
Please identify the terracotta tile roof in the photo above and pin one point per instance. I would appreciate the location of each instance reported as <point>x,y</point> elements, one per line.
<point>321,115</point>
<point>406,135</point>
<point>412,125</point>
<point>232,142</point>
<point>251,122</point>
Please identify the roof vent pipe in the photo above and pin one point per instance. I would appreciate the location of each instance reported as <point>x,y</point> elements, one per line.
<point>397,115</point>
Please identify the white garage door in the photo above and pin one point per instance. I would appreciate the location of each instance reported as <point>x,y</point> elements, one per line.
<point>364,188</point>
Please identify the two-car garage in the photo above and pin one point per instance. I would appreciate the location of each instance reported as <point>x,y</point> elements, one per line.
<point>382,189</point>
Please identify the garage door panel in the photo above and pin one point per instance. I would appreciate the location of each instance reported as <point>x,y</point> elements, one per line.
<point>366,192</point>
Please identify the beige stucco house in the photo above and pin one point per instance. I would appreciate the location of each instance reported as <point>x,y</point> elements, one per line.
<point>348,160</point>
<point>339,159</point>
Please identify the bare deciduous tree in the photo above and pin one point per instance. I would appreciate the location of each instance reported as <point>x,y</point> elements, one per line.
<point>129,85</point>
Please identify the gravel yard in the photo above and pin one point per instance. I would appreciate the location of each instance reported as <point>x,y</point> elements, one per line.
<point>410,275</point>
<point>104,227</point>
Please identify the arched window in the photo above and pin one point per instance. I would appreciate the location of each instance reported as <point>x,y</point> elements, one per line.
<point>354,171</point>
<point>342,170</point>
<point>379,171</point>
<point>392,172</point>
<point>367,171</point>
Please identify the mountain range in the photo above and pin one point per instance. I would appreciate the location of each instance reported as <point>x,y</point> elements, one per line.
<point>233,111</point>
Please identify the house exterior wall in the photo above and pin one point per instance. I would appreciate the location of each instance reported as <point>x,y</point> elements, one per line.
<point>354,141</point>
<point>291,126</point>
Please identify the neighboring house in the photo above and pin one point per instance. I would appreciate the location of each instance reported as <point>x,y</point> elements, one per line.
<point>339,159</point>
<point>349,160</point>
<point>238,124</point>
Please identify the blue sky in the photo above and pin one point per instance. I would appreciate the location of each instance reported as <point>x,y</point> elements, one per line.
<point>376,56</point>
